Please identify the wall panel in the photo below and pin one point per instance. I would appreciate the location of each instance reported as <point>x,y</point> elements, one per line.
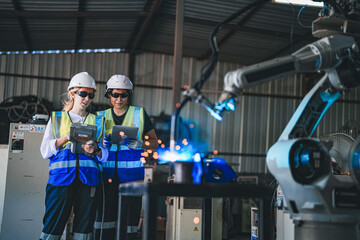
<point>244,135</point>
<point>47,75</point>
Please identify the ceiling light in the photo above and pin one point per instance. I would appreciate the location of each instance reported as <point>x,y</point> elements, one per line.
<point>301,2</point>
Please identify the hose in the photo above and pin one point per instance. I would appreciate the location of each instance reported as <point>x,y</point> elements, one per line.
<point>24,110</point>
<point>103,198</point>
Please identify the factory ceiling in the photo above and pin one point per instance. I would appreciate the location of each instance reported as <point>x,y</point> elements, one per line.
<point>136,26</point>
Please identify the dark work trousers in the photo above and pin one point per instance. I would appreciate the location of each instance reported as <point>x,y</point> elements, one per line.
<point>59,202</point>
<point>111,213</point>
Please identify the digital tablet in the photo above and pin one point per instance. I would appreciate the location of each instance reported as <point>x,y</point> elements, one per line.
<point>120,133</point>
<point>80,134</point>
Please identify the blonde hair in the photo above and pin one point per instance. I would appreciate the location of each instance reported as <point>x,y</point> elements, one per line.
<point>69,103</point>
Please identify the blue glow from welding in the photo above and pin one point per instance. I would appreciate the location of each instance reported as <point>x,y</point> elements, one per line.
<point>216,115</point>
<point>228,105</point>
<point>197,170</point>
<point>197,157</point>
<point>183,153</point>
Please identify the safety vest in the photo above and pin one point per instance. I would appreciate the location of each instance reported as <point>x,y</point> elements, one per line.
<point>62,167</point>
<point>129,166</point>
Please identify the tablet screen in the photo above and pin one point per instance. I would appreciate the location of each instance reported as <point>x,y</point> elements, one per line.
<point>120,133</point>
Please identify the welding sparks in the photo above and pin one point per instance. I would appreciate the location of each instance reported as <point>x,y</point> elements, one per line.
<point>183,152</point>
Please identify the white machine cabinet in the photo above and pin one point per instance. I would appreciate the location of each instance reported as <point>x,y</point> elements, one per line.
<point>23,197</point>
<point>184,218</point>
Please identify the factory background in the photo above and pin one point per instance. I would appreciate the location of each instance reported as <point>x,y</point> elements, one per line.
<point>162,45</point>
<point>243,137</point>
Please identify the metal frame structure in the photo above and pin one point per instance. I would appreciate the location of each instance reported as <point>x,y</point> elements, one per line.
<point>151,192</point>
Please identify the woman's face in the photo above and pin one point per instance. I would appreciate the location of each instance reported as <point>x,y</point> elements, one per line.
<point>118,101</point>
<point>82,97</point>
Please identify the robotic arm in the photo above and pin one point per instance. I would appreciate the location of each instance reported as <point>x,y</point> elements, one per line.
<point>331,54</point>
<point>337,56</point>
<point>325,205</point>
<point>301,164</point>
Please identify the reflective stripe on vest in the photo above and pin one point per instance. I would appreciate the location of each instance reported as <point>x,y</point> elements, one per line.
<point>46,236</point>
<point>62,165</point>
<point>106,225</point>
<point>83,236</point>
<point>132,229</point>
<point>123,164</point>
<point>72,163</point>
<point>121,147</point>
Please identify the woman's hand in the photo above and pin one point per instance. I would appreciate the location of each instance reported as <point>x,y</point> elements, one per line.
<point>61,141</point>
<point>92,148</point>
<point>89,147</point>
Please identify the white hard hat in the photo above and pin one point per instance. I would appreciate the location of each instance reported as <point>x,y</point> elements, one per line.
<point>82,79</point>
<point>119,82</point>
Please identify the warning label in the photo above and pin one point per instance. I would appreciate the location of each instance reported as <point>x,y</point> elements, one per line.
<point>18,135</point>
<point>196,229</point>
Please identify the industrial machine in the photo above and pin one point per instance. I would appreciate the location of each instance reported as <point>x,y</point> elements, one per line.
<point>339,144</point>
<point>184,218</point>
<point>322,204</point>
<point>22,183</point>
<point>326,205</point>
<point>185,214</point>
<point>255,218</point>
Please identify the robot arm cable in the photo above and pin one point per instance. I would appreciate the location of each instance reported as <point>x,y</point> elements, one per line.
<point>208,68</point>
<point>194,93</point>
<point>326,54</point>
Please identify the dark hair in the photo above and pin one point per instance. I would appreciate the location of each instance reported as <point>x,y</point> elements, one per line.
<point>129,97</point>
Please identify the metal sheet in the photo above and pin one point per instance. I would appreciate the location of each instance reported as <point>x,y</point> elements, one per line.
<point>19,73</point>
<point>260,117</point>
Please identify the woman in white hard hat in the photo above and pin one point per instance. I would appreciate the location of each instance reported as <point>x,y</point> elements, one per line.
<point>74,179</point>
<point>124,162</point>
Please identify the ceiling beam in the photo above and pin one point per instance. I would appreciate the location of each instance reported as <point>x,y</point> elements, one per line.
<point>132,60</point>
<point>79,26</point>
<point>70,14</point>
<point>138,25</point>
<point>231,31</point>
<point>178,49</point>
<point>23,27</point>
<point>146,26</point>
<point>257,31</point>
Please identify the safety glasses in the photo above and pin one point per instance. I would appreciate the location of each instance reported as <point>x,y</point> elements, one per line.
<point>122,95</point>
<point>85,94</point>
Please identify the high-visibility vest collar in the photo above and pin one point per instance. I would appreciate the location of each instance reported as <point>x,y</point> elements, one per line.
<point>134,118</point>
<point>61,124</point>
